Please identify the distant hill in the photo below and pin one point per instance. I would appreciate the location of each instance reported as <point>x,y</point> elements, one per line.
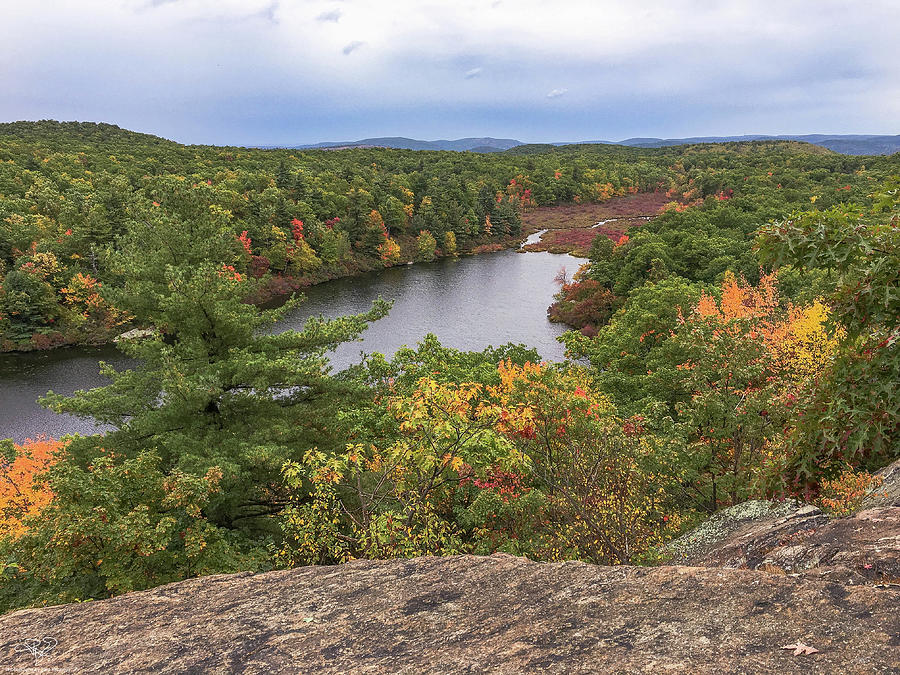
<point>459,145</point>
<point>487,148</point>
<point>90,132</point>
<point>846,144</point>
<point>67,135</point>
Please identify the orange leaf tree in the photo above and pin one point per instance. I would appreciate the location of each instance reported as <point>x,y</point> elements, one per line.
<point>23,493</point>
<point>744,357</point>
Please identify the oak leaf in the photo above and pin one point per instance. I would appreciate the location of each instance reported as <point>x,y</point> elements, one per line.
<point>801,648</point>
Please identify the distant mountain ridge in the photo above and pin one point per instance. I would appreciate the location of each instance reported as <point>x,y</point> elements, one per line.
<point>847,144</point>
<point>400,142</point>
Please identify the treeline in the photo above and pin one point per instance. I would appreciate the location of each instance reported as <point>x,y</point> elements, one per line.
<point>68,191</point>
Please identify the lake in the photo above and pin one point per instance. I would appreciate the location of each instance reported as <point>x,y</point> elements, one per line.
<point>469,303</point>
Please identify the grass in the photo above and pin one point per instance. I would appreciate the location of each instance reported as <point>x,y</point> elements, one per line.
<point>571,216</point>
<point>570,228</point>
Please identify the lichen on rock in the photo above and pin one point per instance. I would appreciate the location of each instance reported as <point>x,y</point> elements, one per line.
<point>720,525</point>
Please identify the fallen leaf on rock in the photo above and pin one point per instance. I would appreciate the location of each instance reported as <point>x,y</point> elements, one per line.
<point>801,648</point>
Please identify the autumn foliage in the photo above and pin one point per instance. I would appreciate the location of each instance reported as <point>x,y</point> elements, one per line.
<point>22,492</point>
<point>744,359</point>
<point>535,463</point>
<point>586,304</point>
<point>702,379</point>
<point>843,494</point>
<point>389,251</point>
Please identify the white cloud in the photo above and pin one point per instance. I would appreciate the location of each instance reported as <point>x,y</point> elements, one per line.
<point>352,47</point>
<point>474,72</point>
<point>556,93</point>
<point>333,15</point>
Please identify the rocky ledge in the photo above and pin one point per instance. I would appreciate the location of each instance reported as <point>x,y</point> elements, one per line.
<point>862,549</point>
<point>794,538</point>
<point>469,614</point>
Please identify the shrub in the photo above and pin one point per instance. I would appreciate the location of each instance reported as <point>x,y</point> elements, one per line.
<point>844,494</point>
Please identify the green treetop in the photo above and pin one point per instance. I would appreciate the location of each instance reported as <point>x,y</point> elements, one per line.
<point>212,387</point>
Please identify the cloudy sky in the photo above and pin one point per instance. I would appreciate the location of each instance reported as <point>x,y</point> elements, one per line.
<point>297,71</point>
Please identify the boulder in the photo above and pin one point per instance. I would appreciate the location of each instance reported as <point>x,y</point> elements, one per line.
<point>135,334</point>
<point>888,493</point>
<point>724,526</point>
<point>864,548</point>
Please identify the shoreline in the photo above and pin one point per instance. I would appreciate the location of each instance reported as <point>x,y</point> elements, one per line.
<point>617,207</point>
<point>275,299</point>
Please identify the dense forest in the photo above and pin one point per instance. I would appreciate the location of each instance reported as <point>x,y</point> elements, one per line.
<point>68,191</point>
<point>741,344</point>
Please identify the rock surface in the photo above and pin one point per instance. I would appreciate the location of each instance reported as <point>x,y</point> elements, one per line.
<point>888,493</point>
<point>470,614</point>
<point>722,527</point>
<point>864,548</point>
<point>798,538</point>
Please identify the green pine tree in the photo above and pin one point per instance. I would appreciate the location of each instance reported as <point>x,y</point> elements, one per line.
<point>214,396</point>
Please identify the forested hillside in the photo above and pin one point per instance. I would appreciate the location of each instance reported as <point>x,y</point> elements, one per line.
<point>741,344</point>
<point>68,190</point>
<point>848,144</point>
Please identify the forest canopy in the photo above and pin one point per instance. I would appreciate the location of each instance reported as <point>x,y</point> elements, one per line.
<point>68,192</point>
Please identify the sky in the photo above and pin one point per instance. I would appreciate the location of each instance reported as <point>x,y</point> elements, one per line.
<point>288,72</point>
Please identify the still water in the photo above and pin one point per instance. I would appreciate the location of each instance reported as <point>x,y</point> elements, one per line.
<point>469,303</point>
